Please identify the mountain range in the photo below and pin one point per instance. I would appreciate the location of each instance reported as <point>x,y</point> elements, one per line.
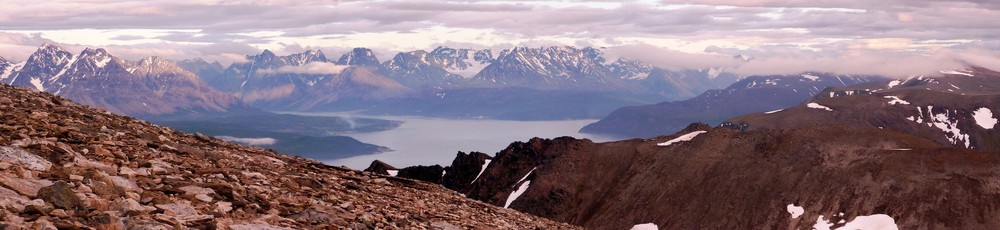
<point>473,82</point>
<point>749,95</point>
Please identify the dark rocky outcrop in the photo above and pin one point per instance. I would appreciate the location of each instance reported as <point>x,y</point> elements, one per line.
<point>432,173</point>
<point>380,167</point>
<point>464,170</point>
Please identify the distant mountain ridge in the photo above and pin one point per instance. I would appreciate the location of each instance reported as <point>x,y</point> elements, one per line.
<point>749,95</point>
<point>954,108</point>
<point>416,82</point>
<point>146,88</point>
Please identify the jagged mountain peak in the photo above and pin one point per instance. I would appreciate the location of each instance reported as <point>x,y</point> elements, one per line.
<point>359,56</point>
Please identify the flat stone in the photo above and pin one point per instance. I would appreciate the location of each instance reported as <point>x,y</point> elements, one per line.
<point>27,187</point>
<point>17,156</point>
<point>131,207</point>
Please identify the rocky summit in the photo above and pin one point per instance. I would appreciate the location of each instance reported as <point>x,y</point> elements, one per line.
<point>69,166</point>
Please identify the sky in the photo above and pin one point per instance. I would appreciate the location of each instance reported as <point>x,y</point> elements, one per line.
<point>888,37</point>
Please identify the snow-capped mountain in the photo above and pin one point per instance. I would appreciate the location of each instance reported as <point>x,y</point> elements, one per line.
<point>360,57</point>
<point>307,80</point>
<point>41,67</point>
<point>7,68</point>
<point>152,87</point>
<point>749,95</point>
<point>442,65</point>
<point>548,67</point>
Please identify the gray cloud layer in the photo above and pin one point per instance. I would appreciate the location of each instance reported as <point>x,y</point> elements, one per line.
<point>793,34</point>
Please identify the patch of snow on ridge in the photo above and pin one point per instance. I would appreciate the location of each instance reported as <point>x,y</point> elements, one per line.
<point>810,77</point>
<point>796,211</point>
<point>896,101</point>
<point>945,122</point>
<point>872,222</point>
<point>517,193</point>
<point>957,72</point>
<point>815,105</point>
<point>682,138</point>
<point>894,83</point>
<point>38,84</point>
<point>646,226</point>
<point>984,118</point>
<point>481,170</point>
<point>520,189</point>
<point>774,111</point>
<point>392,172</point>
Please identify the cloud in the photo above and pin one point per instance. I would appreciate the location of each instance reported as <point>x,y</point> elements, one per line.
<point>850,35</point>
<point>669,59</point>
<point>308,68</point>
<point>249,141</point>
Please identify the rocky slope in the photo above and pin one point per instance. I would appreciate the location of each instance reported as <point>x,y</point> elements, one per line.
<point>953,109</point>
<point>753,94</point>
<point>70,166</point>
<point>837,176</point>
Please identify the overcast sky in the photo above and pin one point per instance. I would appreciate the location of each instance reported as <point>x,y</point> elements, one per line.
<point>898,37</point>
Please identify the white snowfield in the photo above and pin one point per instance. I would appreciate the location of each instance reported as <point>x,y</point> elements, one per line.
<point>896,101</point>
<point>984,118</point>
<point>810,77</point>
<point>815,105</point>
<point>481,170</point>
<point>774,111</point>
<point>520,189</point>
<point>392,172</point>
<point>873,222</point>
<point>796,211</point>
<point>646,226</point>
<point>682,138</point>
<point>945,122</point>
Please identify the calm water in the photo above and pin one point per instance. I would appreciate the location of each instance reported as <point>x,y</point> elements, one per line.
<point>429,141</point>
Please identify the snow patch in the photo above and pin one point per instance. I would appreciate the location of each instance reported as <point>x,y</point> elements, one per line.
<point>103,62</point>
<point>984,118</point>
<point>775,111</point>
<point>796,211</point>
<point>945,122</point>
<point>481,170</point>
<point>249,140</point>
<point>815,105</point>
<point>810,77</point>
<point>646,226</point>
<point>520,189</point>
<point>894,83</point>
<point>957,72</point>
<point>517,193</point>
<point>392,172</point>
<point>682,138</point>
<point>872,222</point>
<point>38,84</point>
<point>896,101</point>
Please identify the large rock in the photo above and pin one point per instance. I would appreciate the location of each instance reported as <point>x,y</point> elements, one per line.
<point>17,156</point>
<point>61,195</point>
